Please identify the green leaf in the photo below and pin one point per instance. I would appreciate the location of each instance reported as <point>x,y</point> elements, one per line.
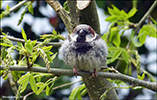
<point>3,33</point>
<point>10,49</point>
<point>40,89</point>
<point>123,15</point>
<point>150,30</point>
<point>22,15</point>
<point>125,55</point>
<point>33,84</point>
<point>24,35</point>
<point>65,5</point>
<point>7,41</point>
<point>6,12</point>
<point>40,84</point>
<point>24,85</point>
<point>142,38</point>
<point>114,31</point>
<point>22,63</point>
<point>54,32</point>
<point>118,82</point>
<point>132,12</point>
<point>24,81</point>
<point>154,22</point>
<point>117,40</point>
<point>24,78</point>
<point>116,10</point>
<point>76,92</point>
<point>53,56</point>
<point>29,46</point>
<point>132,35</point>
<point>141,77</point>
<point>30,8</point>
<point>116,54</point>
<point>8,7</point>
<point>6,45</point>
<point>153,31</point>
<point>111,18</point>
<point>35,55</point>
<point>52,83</point>
<point>111,11</point>
<point>47,48</point>
<point>112,48</point>
<point>19,45</point>
<point>84,92</point>
<point>138,36</point>
<point>51,88</point>
<point>34,42</point>
<point>47,90</point>
<point>137,44</point>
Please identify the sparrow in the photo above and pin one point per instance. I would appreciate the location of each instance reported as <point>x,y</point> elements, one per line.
<point>84,50</point>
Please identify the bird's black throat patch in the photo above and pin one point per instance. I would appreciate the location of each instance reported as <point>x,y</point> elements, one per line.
<point>82,47</point>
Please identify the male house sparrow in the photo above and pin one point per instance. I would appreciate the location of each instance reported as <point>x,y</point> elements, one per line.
<point>84,50</point>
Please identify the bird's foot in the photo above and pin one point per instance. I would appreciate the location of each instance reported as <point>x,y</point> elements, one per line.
<point>75,72</point>
<point>94,73</point>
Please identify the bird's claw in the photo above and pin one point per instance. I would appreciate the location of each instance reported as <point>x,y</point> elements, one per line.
<point>94,73</point>
<point>75,72</point>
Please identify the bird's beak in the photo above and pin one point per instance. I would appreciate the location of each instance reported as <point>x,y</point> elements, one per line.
<point>81,33</point>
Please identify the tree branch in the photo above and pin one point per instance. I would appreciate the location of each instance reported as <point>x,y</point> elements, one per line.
<point>55,44</point>
<point>145,16</point>
<point>62,13</point>
<point>14,8</point>
<point>150,85</point>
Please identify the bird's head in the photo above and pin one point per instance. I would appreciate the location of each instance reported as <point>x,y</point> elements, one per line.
<point>83,33</point>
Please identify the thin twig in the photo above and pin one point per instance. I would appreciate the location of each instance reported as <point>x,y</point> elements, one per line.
<point>145,16</point>
<point>53,88</point>
<point>63,14</point>
<point>55,44</point>
<point>17,6</point>
<point>150,85</point>
<point>14,8</point>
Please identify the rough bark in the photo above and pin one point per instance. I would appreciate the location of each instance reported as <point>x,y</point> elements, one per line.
<point>73,13</point>
<point>87,14</point>
<point>97,86</point>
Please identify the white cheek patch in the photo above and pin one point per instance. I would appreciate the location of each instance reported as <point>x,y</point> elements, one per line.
<point>90,38</point>
<point>73,37</point>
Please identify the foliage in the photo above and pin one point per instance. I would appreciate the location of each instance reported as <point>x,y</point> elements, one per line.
<point>78,92</point>
<point>29,52</point>
<point>120,24</point>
